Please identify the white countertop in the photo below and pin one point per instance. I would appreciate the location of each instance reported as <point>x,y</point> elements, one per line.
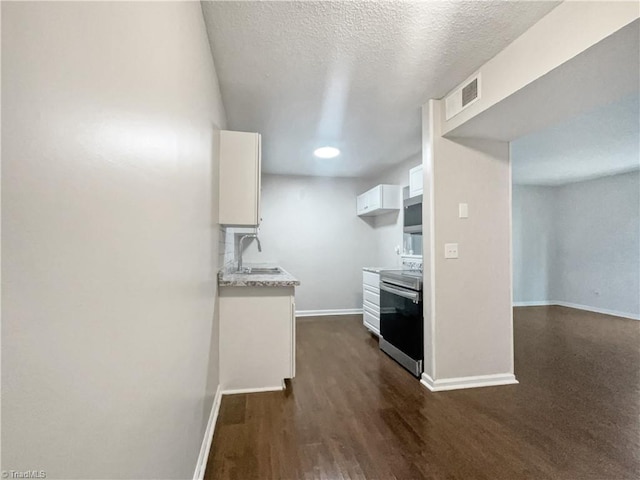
<point>378,269</point>
<point>229,278</point>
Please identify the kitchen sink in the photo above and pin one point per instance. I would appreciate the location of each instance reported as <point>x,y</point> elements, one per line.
<point>261,270</point>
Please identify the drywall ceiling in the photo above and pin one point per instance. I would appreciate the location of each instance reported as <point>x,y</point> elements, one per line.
<point>352,74</point>
<point>601,142</point>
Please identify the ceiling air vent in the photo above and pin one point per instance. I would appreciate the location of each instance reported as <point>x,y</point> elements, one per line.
<point>470,92</point>
<point>462,97</point>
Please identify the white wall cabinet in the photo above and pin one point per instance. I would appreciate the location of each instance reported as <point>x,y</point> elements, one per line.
<point>240,171</point>
<point>380,199</point>
<point>416,180</point>
<point>371,301</point>
<point>258,338</point>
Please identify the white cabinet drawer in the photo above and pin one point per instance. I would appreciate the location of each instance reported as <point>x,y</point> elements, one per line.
<point>372,297</point>
<point>371,279</point>
<point>373,309</point>
<point>374,290</point>
<point>371,321</point>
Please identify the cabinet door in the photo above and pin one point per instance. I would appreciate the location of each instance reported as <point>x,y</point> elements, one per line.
<point>415,181</point>
<point>240,154</point>
<point>256,324</point>
<point>374,198</point>
<point>361,202</point>
<point>292,372</point>
<point>259,175</point>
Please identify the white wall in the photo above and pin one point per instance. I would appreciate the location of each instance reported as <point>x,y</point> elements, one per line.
<point>534,243</point>
<point>468,314</point>
<point>591,256</point>
<point>311,229</point>
<point>109,238</point>
<point>469,307</point>
<point>387,229</point>
<point>598,257</point>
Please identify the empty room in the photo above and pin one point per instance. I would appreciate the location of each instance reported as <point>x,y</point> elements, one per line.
<point>294,240</point>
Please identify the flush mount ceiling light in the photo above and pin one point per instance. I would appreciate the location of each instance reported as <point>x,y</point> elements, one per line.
<point>326,152</point>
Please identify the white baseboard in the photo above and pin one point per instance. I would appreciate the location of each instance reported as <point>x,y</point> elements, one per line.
<point>458,383</point>
<point>205,448</point>
<point>542,303</point>
<point>604,311</point>
<point>203,457</point>
<point>233,391</point>
<point>615,313</point>
<point>326,313</point>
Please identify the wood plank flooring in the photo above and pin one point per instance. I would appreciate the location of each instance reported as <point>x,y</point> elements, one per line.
<point>353,413</point>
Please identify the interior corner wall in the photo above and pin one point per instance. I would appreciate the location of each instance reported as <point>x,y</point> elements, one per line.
<point>303,216</point>
<point>109,238</point>
<point>578,244</point>
<point>387,230</point>
<point>310,228</point>
<point>534,244</point>
<point>598,244</point>
<point>472,316</point>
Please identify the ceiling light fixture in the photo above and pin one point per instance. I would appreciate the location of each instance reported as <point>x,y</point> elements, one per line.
<point>326,152</point>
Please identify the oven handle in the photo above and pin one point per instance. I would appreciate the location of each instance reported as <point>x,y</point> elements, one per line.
<point>415,296</point>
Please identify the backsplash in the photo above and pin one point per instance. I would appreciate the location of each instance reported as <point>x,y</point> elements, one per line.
<point>228,242</point>
<point>412,244</point>
<point>226,250</point>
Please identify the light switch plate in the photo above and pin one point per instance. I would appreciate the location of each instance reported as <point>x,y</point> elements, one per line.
<point>450,250</point>
<point>463,210</point>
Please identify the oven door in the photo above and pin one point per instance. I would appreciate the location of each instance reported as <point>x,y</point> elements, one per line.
<point>401,326</point>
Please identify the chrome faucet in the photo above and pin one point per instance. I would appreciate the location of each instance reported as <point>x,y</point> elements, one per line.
<point>240,242</point>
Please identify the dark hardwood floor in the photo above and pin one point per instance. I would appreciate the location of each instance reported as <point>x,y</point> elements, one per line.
<point>352,412</point>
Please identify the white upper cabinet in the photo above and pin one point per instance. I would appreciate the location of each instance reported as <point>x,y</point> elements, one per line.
<point>378,200</point>
<point>240,170</point>
<point>415,181</point>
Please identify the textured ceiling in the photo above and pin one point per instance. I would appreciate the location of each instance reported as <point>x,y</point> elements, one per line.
<point>601,142</point>
<point>350,74</point>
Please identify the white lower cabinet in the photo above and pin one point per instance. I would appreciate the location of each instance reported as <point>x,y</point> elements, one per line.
<point>257,338</point>
<point>371,320</point>
<point>371,301</point>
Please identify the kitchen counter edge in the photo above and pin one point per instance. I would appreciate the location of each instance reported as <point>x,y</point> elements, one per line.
<point>378,269</point>
<point>227,278</point>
